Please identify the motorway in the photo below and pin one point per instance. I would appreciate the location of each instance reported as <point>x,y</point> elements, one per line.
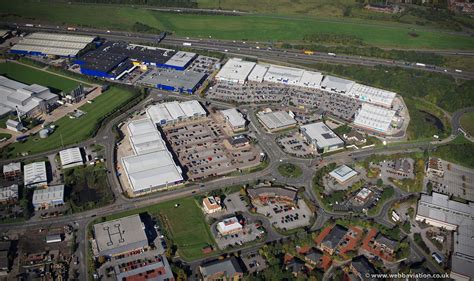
<point>106,137</point>
<point>256,50</point>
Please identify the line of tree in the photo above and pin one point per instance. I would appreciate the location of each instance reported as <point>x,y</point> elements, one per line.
<point>159,3</point>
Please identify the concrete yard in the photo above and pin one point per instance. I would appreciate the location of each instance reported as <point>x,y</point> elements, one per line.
<point>286,217</point>
<point>294,144</point>
<point>249,233</point>
<point>457,181</point>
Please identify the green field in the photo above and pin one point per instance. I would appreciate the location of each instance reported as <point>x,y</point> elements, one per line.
<point>6,136</point>
<point>257,27</point>
<point>185,225</point>
<point>467,123</point>
<point>69,131</point>
<point>459,151</point>
<point>290,170</point>
<point>30,75</point>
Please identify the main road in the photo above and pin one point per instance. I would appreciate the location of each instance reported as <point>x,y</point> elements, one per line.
<point>258,50</point>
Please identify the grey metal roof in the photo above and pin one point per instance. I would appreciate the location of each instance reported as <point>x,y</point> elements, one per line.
<point>117,235</point>
<point>381,239</point>
<point>438,207</point>
<point>320,134</point>
<point>363,266</point>
<point>228,268</point>
<point>337,84</point>
<point>334,237</point>
<point>26,98</point>
<point>186,80</point>
<point>276,119</point>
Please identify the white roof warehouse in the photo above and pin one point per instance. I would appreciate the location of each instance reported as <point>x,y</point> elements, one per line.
<point>153,166</point>
<point>43,44</point>
<point>35,174</point>
<point>235,71</point>
<point>28,99</point>
<point>374,118</point>
<point>50,196</point>
<point>321,137</point>
<point>172,112</point>
<point>71,157</point>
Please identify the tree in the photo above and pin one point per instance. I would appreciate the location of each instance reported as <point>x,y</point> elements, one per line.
<point>379,182</point>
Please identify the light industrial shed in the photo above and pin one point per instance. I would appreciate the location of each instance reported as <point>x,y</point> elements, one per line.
<point>48,197</point>
<point>173,112</point>
<point>144,137</point>
<point>55,44</point>
<point>374,118</point>
<point>71,157</point>
<point>234,119</point>
<point>35,174</point>
<point>321,137</point>
<point>152,171</point>
<point>173,80</point>
<point>235,71</point>
<point>181,60</point>
<point>276,120</point>
<point>120,236</point>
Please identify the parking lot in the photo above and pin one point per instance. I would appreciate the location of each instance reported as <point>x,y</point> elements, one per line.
<point>249,233</point>
<point>254,262</point>
<point>457,181</point>
<point>203,64</point>
<point>233,203</point>
<point>286,217</point>
<point>294,144</point>
<point>200,149</point>
<point>337,105</point>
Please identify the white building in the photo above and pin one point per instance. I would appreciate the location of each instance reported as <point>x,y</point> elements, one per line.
<point>192,109</point>
<point>14,125</point>
<point>276,120</point>
<point>258,73</point>
<point>211,204</point>
<point>27,99</point>
<point>9,194</point>
<point>372,95</point>
<point>152,171</point>
<point>235,71</point>
<point>311,79</point>
<point>180,60</point>
<point>144,137</point>
<point>283,75</point>
<point>55,44</point>
<point>71,157</point>
<point>234,119</point>
<point>229,226</point>
<point>35,174</point>
<point>48,197</point>
<point>438,210</point>
<point>336,84</point>
<point>321,137</point>
<point>12,170</point>
<point>343,173</point>
<point>174,112</point>
<point>374,118</point>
